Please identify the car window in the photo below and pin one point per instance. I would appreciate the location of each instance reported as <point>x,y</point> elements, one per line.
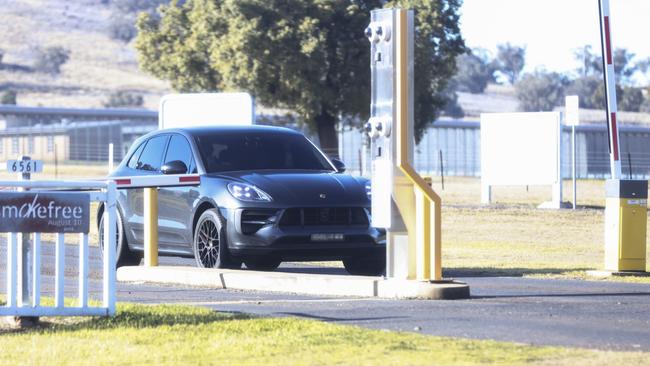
<point>259,151</point>
<point>152,154</point>
<point>179,149</point>
<point>133,161</point>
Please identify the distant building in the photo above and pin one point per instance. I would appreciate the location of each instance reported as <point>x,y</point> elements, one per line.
<point>69,134</point>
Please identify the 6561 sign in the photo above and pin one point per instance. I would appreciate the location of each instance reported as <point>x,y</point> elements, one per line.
<point>25,166</point>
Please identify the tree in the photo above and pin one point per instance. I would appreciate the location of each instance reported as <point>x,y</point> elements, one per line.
<point>588,88</point>
<point>123,98</point>
<point>122,21</point>
<point>475,71</point>
<point>631,99</point>
<point>8,97</point>
<point>624,67</point>
<point>452,108</point>
<point>645,106</point>
<point>308,56</point>
<point>540,91</point>
<point>511,61</point>
<point>50,59</point>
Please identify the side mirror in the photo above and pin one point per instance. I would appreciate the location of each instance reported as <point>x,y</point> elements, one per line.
<point>339,165</point>
<point>174,167</point>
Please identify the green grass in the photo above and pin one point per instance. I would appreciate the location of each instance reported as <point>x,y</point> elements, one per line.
<point>172,335</point>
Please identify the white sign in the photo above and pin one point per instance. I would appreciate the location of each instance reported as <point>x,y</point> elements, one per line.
<point>206,109</point>
<point>572,110</point>
<point>25,166</point>
<point>520,148</point>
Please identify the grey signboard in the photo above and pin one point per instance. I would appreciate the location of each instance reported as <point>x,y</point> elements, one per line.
<point>44,212</point>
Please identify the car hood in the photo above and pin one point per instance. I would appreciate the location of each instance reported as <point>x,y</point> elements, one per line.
<point>304,188</point>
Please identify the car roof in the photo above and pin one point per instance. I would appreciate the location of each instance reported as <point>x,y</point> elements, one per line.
<point>198,131</point>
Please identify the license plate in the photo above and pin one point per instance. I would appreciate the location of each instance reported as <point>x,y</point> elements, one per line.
<point>327,237</point>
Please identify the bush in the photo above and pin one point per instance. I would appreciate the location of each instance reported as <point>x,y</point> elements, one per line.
<point>590,89</point>
<point>51,59</point>
<point>540,91</point>
<point>122,99</point>
<point>645,106</point>
<point>8,97</point>
<point>122,28</point>
<point>631,99</point>
<point>452,108</point>
<point>474,73</point>
<point>2,54</point>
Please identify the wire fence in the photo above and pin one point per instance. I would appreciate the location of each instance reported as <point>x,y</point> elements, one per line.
<point>456,147</point>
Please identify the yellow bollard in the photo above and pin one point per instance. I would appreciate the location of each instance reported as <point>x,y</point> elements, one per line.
<point>626,215</point>
<point>151,227</point>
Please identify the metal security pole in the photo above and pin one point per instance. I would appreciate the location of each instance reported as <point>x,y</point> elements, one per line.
<point>24,166</point>
<point>572,118</point>
<point>573,162</point>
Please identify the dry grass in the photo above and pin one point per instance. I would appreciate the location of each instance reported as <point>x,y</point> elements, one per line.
<point>513,237</point>
<point>97,67</point>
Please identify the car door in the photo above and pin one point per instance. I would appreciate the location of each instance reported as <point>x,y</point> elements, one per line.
<point>146,160</point>
<point>175,203</point>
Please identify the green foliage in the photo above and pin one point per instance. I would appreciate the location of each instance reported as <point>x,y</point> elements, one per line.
<point>8,97</point>
<point>122,99</point>
<point>590,90</point>
<point>122,28</point>
<point>511,61</point>
<point>624,66</point>
<point>631,99</point>
<point>452,108</point>
<point>540,91</point>
<point>123,18</point>
<point>308,56</point>
<point>474,71</point>
<point>50,59</point>
<point>2,54</point>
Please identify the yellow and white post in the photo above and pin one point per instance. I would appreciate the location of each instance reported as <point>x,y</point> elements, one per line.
<point>402,202</point>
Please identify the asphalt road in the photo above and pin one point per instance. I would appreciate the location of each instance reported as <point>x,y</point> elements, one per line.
<point>604,315</point>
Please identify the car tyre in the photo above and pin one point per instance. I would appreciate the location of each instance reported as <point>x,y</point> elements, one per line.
<point>210,246</point>
<point>262,264</point>
<point>125,256</point>
<point>364,266</point>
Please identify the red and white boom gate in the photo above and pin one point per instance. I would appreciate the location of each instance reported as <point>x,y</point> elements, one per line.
<point>150,184</point>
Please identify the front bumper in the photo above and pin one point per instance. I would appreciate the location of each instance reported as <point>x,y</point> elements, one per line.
<point>296,244</point>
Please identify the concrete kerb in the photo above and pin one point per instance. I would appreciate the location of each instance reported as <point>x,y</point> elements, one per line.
<point>311,284</point>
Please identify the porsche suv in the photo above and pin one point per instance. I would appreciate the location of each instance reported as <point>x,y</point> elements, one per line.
<point>266,195</point>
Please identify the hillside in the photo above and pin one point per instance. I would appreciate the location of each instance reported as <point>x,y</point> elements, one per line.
<point>98,65</point>
<point>502,99</point>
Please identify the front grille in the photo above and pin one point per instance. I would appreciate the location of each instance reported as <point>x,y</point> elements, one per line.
<point>253,220</point>
<point>324,216</point>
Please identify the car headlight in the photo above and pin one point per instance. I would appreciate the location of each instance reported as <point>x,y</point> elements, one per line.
<point>248,193</point>
<point>369,190</point>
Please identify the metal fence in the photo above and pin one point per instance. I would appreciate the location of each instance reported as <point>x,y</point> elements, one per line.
<point>455,146</point>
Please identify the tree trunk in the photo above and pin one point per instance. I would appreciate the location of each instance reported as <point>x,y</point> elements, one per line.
<point>329,141</point>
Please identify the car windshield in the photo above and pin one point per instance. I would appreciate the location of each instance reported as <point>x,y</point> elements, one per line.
<point>222,152</point>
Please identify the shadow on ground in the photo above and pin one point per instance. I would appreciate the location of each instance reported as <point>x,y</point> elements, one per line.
<point>506,272</point>
<point>132,316</point>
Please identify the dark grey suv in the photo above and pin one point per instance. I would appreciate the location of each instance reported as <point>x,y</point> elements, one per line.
<point>266,195</point>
